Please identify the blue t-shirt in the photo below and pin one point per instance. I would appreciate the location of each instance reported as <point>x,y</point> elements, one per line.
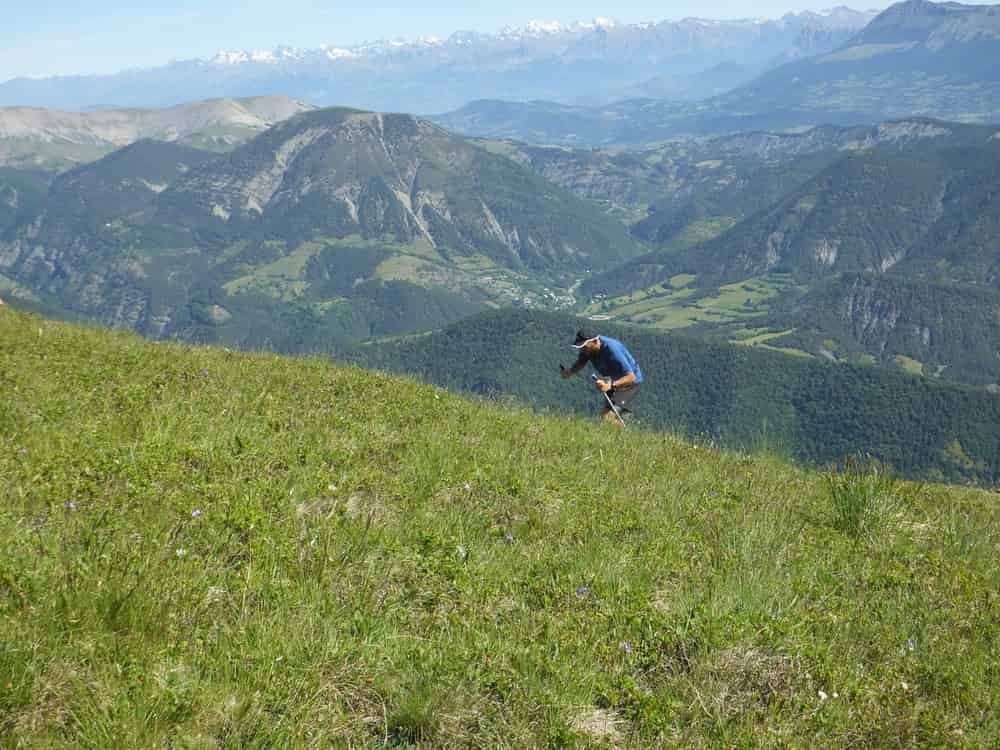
<point>614,360</point>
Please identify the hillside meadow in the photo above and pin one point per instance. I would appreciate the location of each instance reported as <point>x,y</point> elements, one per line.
<point>209,549</point>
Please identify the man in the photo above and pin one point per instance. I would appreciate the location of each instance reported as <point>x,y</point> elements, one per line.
<point>612,360</point>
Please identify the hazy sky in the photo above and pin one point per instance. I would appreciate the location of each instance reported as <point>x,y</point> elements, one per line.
<point>50,37</point>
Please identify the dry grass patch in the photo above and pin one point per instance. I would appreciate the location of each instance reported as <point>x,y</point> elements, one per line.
<point>736,680</point>
<point>366,506</point>
<point>600,725</point>
<point>51,697</point>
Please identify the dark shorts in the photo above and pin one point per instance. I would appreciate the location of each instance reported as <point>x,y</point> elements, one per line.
<point>623,397</point>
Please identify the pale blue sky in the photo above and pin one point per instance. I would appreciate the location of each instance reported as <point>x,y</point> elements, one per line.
<point>50,37</point>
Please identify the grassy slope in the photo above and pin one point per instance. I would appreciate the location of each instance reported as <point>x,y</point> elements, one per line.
<point>205,549</point>
<point>738,396</point>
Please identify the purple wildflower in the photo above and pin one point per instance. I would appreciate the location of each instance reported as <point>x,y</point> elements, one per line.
<point>583,591</point>
<point>196,512</point>
<point>626,646</point>
<point>204,373</point>
<point>70,505</point>
<point>508,537</point>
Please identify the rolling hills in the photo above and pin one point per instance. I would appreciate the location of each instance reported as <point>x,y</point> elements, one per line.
<point>688,190</point>
<point>37,138</point>
<point>201,547</point>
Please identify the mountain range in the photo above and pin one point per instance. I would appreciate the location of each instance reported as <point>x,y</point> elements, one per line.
<point>271,223</point>
<point>333,224</point>
<point>591,62</point>
<point>861,244</point>
<point>916,58</point>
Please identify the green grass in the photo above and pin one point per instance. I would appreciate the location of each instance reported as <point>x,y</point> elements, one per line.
<point>758,336</point>
<point>682,280</point>
<point>909,364</point>
<point>283,278</point>
<point>205,549</point>
<point>676,304</point>
<point>701,231</point>
<point>864,498</point>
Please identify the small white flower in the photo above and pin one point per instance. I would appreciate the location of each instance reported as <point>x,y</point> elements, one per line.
<point>180,552</point>
<point>823,696</point>
<point>904,686</point>
<point>332,487</point>
<point>467,486</point>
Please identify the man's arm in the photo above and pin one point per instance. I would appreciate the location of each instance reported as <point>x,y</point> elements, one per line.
<point>623,382</point>
<point>568,372</point>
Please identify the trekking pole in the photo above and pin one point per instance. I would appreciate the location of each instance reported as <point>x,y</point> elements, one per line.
<point>610,402</point>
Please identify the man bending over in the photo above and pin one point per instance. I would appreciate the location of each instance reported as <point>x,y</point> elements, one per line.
<point>615,362</point>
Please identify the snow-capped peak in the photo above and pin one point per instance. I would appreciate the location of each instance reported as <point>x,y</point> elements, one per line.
<point>338,53</point>
<point>544,27</point>
<point>532,29</point>
<point>604,23</point>
<point>537,28</point>
<point>225,57</point>
<point>238,57</point>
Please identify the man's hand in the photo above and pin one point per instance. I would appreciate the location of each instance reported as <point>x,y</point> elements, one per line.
<point>603,385</point>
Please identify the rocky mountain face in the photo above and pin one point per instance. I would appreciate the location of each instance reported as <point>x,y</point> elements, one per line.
<point>582,62</point>
<point>339,222</point>
<point>375,175</point>
<point>872,211</point>
<point>32,137</point>
<point>928,328</point>
<point>22,192</point>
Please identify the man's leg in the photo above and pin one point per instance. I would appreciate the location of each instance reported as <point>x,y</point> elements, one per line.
<point>624,397</point>
<point>607,415</point>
